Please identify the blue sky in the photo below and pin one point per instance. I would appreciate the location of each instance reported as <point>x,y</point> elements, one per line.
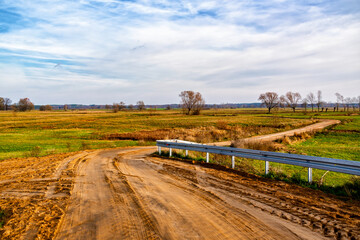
<point>109,51</point>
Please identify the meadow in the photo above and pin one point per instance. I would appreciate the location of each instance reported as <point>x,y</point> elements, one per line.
<point>42,133</point>
<point>38,133</point>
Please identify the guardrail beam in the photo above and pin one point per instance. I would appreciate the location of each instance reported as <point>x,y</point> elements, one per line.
<point>329,164</point>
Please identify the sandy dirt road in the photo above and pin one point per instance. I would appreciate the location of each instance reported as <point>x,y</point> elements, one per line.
<point>125,194</point>
<point>274,136</point>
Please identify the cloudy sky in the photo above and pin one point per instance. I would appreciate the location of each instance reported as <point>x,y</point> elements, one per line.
<point>105,51</point>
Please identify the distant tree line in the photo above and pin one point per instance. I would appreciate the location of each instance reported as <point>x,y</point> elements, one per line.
<point>23,105</point>
<point>294,100</point>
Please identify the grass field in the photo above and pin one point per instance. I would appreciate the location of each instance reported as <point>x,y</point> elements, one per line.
<point>42,133</point>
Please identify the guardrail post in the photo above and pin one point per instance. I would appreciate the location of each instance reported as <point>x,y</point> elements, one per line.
<point>310,175</point>
<point>207,157</point>
<point>159,149</point>
<point>233,162</point>
<point>186,153</point>
<point>266,167</point>
<point>170,152</point>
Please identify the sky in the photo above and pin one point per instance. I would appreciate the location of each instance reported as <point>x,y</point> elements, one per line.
<point>231,51</point>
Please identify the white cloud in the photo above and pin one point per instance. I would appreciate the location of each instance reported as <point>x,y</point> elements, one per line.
<point>154,50</point>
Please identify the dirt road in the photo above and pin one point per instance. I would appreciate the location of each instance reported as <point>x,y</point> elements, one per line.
<point>271,137</point>
<point>125,194</point>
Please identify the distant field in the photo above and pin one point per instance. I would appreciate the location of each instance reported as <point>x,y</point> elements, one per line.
<point>42,133</point>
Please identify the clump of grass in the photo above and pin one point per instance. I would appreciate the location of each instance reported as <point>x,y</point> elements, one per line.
<point>68,146</point>
<point>84,146</point>
<point>34,152</point>
<point>2,218</point>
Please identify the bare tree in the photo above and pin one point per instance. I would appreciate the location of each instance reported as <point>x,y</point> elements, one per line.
<point>319,101</point>
<point>131,107</point>
<point>66,107</point>
<point>7,103</point>
<point>291,99</point>
<point>122,106</point>
<point>23,105</point>
<point>2,103</point>
<point>191,102</point>
<point>269,99</point>
<point>311,98</point>
<point>339,99</point>
<point>353,103</point>
<point>305,103</point>
<point>115,107</point>
<point>140,105</point>
<point>107,106</point>
<point>348,103</point>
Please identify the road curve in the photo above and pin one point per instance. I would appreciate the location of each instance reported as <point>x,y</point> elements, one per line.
<point>125,194</point>
<point>274,136</point>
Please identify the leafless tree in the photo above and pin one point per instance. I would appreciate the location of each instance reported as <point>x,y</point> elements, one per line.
<point>311,98</point>
<point>291,99</point>
<point>7,103</point>
<point>319,101</point>
<point>269,99</point>
<point>107,106</point>
<point>115,107</point>
<point>131,107</point>
<point>140,105</point>
<point>353,103</point>
<point>348,102</point>
<point>23,105</point>
<point>339,99</point>
<point>191,102</point>
<point>168,107</point>
<point>305,103</point>
<point>2,103</point>
<point>122,106</point>
<point>66,107</point>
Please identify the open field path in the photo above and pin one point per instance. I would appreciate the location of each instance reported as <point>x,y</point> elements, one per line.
<point>274,136</point>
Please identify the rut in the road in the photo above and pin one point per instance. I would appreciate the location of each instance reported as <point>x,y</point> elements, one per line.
<point>103,205</point>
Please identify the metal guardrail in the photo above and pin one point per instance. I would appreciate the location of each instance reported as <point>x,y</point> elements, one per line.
<point>330,164</point>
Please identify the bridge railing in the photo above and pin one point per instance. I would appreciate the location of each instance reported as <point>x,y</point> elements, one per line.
<point>310,162</point>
